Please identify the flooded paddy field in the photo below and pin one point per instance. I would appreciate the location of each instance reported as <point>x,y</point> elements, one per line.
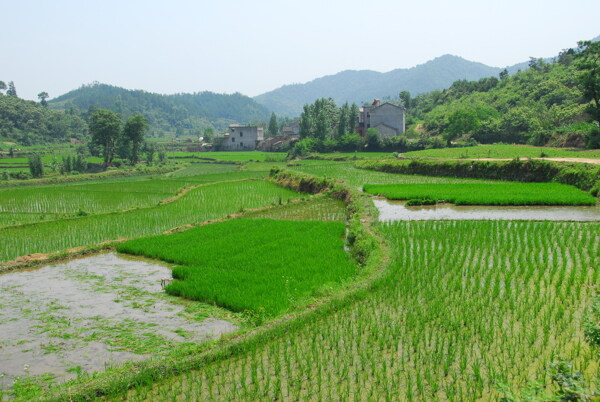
<point>83,315</point>
<point>397,211</point>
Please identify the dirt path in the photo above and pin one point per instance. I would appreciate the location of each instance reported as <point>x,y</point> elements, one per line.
<point>577,160</point>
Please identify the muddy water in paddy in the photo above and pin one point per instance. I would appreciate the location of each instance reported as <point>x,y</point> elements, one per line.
<point>396,211</point>
<point>85,314</point>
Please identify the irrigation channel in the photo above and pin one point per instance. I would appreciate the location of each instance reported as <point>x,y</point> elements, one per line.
<point>397,211</point>
<point>80,316</point>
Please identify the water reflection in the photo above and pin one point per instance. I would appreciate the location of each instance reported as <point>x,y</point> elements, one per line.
<point>396,211</point>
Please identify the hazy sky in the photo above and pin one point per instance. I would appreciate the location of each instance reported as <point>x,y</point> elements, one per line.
<point>256,46</point>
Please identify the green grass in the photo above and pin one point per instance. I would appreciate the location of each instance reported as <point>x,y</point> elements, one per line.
<point>501,151</point>
<point>211,201</point>
<point>499,193</point>
<point>465,307</point>
<point>265,266</point>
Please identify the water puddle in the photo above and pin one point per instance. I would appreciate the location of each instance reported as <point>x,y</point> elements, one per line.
<point>86,314</point>
<point>396,211</point>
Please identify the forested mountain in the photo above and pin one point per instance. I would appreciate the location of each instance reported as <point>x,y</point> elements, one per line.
<point>166,113</point>
<point>27,122</point>
<point>361,86</point>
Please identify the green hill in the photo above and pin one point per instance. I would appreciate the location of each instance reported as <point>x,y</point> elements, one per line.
<point>542,105</point>
<point>166,113</point>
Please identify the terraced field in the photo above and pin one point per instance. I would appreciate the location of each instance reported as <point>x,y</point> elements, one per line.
<point>457,325</point>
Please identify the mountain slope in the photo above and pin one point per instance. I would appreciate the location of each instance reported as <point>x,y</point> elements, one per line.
<point>361,86</point>
<point>166,113</point>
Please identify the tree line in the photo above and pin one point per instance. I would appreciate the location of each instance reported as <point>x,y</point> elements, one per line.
<point>117,138</point>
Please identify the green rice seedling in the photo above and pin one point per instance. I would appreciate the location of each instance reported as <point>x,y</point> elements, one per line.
<point>349,174</point>
<point>316,208</point>
<point>207,202</point>
<point>440,325</point>
<point>231,156</point>
<point>260,265</point>
<point>498,193</point>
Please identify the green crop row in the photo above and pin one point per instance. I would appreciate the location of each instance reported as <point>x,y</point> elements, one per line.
<point>467,308</point>
<point>230,156</point>
<point>502,151</point>
<point>208,202</point>
<point>583,176</point>
<point>314,209</point>
<point>500,193</point>
<point>264,265</point>
<point>348,173</point>
<point>27,204</point>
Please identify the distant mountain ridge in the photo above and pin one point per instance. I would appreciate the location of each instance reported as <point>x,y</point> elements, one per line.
<point>361,86</point>
<point>166,113</point>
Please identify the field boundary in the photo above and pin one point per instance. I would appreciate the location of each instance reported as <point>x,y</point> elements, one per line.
<point>371,252</point>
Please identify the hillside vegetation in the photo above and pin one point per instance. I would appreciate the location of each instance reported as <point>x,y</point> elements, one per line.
<point>178,113</point>
<point>27,122</point>
<point>543,105</point>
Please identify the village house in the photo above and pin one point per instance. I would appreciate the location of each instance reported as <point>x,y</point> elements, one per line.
<point>388,119</point>
<point>242,138</point>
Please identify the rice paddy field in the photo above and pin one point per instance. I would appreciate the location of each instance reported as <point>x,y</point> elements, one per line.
<point>209,202</point>
<point>499,193</point>
<point>502,151</point>
<point>244,156</point>
<point>31,204</point>
<point>262,265</point>
<point>454,310</point>
<point>348,173</point>
<point>466,309</point>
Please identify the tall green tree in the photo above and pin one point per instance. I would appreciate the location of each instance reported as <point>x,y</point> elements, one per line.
<point>353,117</point>
<point>208,134</point>
<point>342,127</point>
<point>307,122</point>
<point>12,91</point>
<point>2,86</point>
<point>405,98</point>
<point>273,128</point>
<point>105,128</point>
<point>322,125</point>
<point>36,167</point>
<point>460,122</point>
<point>42,96</point>
<point>588,64</point>
<point>133,133</point>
